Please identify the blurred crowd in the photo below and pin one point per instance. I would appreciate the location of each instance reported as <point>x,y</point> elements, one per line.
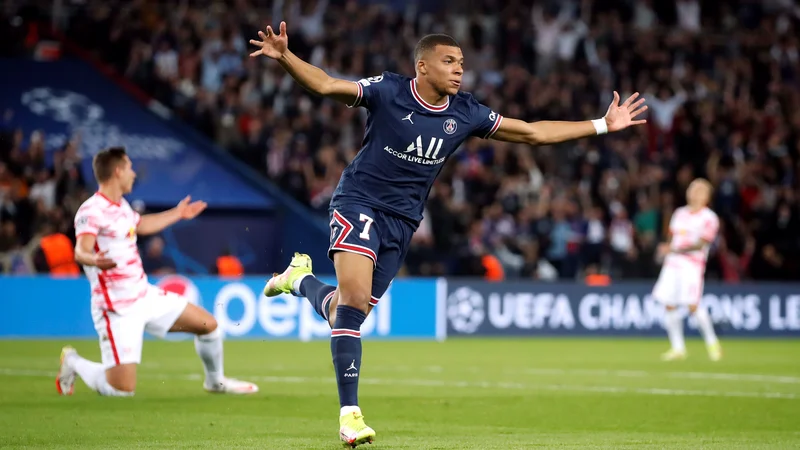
<point>722,81</point>
<point>39,197</point>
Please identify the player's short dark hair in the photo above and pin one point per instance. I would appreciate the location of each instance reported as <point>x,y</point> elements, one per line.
<point>430,42</point>
<point>106,161</point>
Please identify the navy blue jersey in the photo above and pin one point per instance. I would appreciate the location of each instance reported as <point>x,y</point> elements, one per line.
<point>406,143</point>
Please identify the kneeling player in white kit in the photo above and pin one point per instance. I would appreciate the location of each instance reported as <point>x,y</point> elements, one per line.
<point>692,229</point>
<point>124,304</point>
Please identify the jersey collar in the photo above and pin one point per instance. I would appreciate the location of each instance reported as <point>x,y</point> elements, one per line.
<point>100,194</point>
<point>425,104</point>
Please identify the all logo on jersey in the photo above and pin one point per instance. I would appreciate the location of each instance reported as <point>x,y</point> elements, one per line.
<point>450,126</point>
<point>431,152</point>
<point>418,152</point>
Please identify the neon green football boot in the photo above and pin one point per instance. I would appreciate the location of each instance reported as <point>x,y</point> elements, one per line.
<point>299,267</point>
<point>673,355</point>
<point>714,351</point>
<point>353,431</point>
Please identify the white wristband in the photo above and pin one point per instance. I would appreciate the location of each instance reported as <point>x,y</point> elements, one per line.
<point>600,125</point>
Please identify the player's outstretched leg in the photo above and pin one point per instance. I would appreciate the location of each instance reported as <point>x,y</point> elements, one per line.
<point>298,279</point>
<point>354,273</point>
<point>707,330</point>
<point>355,287</point>
<point>93,374</point>
<point>208,343</point>
<point>673,322</point>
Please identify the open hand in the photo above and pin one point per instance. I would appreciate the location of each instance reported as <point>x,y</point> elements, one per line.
<point>271,44</point>
<point>618,117</point>
<point>191,210</point>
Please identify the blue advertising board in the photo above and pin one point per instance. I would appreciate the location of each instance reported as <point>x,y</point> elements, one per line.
<point>477,308</point>
<point>68,98</point>
<point>36,307</point>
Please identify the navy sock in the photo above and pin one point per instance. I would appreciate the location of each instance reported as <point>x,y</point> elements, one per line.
<point>318,293</point>
<point>346,351</point>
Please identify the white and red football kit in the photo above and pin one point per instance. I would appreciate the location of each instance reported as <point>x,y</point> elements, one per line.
<point>681,279</point>
<point>124,303</point>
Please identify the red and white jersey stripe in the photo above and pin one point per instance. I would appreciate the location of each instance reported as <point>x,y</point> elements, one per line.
<point>688,228</point>
<point>114,225</point>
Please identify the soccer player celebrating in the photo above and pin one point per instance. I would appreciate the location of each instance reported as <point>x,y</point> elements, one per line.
<point>124,304</point>
<point>414,125</point>
<point>692,229</point>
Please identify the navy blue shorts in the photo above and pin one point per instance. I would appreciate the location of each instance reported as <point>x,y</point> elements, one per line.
<point>381,237</point>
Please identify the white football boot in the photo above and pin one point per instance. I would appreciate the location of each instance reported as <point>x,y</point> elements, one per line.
<point>232,386</point>
<point>65,380</point>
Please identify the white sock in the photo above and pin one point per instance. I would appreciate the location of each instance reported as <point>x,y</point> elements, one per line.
<point>110,391</point>
<point>296,284</point>
<point>91,373</point>
<point>705,325</point>
<point>673,322</point>
<point>349,410</point>
<point>209,348</point>
<point>94,375</point>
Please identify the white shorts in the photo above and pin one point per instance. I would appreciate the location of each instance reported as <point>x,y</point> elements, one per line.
<point>121,333</point>
<point>677,286</point>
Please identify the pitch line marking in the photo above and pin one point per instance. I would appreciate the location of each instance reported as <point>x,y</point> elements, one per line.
<point>462,384</point>
<point>758,378</point>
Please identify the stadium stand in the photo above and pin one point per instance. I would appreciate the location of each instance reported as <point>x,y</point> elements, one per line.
<point>723,106</point>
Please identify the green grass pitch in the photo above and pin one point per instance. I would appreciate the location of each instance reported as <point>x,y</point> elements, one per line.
<point>459,394</point>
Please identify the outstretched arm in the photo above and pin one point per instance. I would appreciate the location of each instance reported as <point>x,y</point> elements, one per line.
<point>154,223</point>
<point>312,78</point>
<point>618,117</point>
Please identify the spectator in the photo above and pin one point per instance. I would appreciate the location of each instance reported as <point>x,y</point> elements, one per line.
<point>621,239</point>
<point>228,265</point>
<point>44,190</point>
<point>154,261</point>
<point>594,246</point>
<point>9,240</point>
<point>55,254</point>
